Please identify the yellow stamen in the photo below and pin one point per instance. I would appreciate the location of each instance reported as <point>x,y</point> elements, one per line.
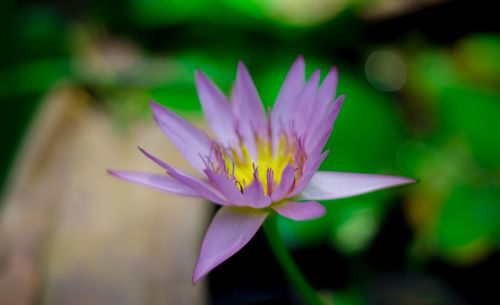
<point>241,167</point>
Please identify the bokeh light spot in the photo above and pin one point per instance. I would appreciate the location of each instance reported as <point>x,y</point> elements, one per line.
<point>385,70</point>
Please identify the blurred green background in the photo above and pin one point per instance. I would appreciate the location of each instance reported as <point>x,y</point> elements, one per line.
<point>422,80</point>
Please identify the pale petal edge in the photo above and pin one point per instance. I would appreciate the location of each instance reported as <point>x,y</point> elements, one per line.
<point>160,182</point>
<point>336,185</point>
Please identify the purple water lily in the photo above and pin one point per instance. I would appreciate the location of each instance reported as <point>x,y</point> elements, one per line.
<point>257,164</point>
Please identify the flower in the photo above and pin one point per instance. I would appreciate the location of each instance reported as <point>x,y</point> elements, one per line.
<point>256,164</point>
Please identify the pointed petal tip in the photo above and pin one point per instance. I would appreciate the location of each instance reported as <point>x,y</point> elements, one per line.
<point>154,159</point>
<point>196,277</point>
<point>156,107</point>
<point>241,64</point>
<point>117,173</point>
<point>142,150</point>
<point>338,103</point>
<point>316,75</point>
<point>200,77</point>
<point>200,271</point>
<point>242,71</point>
<point>407,180</point>
<point>299,61</point>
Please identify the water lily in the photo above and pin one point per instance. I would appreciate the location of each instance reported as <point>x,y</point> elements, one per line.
<point>257,164</point>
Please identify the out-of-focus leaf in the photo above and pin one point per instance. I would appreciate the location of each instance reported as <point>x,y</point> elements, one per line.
<point>33,77</point>
<point>42,26</point>
<point>473,114</point>
<point>355,221</point>
<point>429,72</point>
<point>165,12</point>
<point>348,297</point>
<point>469,223</point>
<point>296,13</point>
<point>440,169</point>
<point>479,56</point>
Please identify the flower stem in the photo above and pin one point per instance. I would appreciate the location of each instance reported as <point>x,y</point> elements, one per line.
<point>292,272</point>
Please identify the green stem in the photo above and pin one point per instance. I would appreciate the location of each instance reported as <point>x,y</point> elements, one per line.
<point>292,272</point>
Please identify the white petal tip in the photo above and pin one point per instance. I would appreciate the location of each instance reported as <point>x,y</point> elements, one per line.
<point>335,185</point>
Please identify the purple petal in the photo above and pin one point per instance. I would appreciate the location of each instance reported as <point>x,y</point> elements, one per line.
<point>226,187</point>
<point>254,194</point>
<point>323,125</point>
<point>286,183</point>
<point>217,109</point>
<point>301,210</point>
<point>328,89</point>
<point>334,185</point>
<point>160,182</point>
<point>154,159</point>
<point>310,169</point>
<point>333,111</point>
<point>202,188</point>
<point>304,109</point>
<point>317,143</point>
<point>189,140</point>
<point>247,104</point>
<point>292,86</point>
<point>230,230</point>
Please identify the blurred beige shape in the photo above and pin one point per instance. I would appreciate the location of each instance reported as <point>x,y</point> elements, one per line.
<point>71,234</point>
<point>384,9</point>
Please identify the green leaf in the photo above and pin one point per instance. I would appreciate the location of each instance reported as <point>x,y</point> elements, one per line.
<point>469,222</point>
<point>473,114</point>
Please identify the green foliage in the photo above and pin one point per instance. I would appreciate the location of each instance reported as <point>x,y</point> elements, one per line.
<point>469,223</point>
<point>473,114</point>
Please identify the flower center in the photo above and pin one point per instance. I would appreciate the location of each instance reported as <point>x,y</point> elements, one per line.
<point>268,166</point>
